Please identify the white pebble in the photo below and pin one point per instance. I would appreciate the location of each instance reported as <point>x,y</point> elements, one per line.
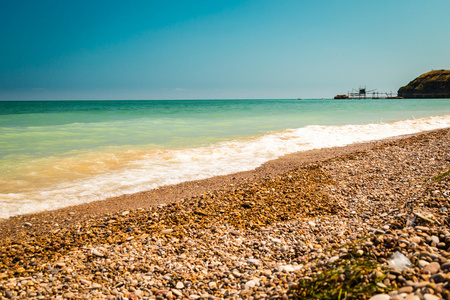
<point>250,284</point>
<point>253,261</point>
<point>380,297</point>
<point>179,285</point>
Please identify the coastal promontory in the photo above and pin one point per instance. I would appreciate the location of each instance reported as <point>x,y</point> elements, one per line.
<point>433,84</point>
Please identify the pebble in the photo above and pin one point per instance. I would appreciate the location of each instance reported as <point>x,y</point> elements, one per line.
<point>431,297</point>
<point>212,285</point>
<point>285,268</point>
<point>333,259</point>
<point>380,297</point>
<point>179,285</point>
<point>445,266</point>
<point>423,263</point>
<point>432,268</point>
<point>253,261</point>
<point>406,289</point>
<point>435,239</point>
<point>250,284</point>
<point>422,228</point>
<point>97,253</point>
<point>412,297</point>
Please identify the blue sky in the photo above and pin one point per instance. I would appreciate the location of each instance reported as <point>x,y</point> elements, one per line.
<point>61,49</point>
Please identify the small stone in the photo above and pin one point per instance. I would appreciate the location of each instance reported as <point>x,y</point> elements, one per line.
<point>161,292</point>
<point>177,292</point>
<point>9,294</point>
<point>445,266</point>
<point>212,285</point>
<point>391,277</point>
<point>368,244</point>
<point>435,239</point>
<point>179,285</point>
<point>253,261</point>
<point>54,271</point>
<point>432,268</point>
<point>85,282</point>
<point>412,297</point>
<point>431,297</point>
<point>97,253</point>
<point>406,289</point>
<point>439,277</point>
<point>417,239</point>
<point>380,297</point>
<point>333,259</point>
<point>434,256</point>
<point>250,284</point>
<point>69,295</point>
<point>423,263</point>
<point>284,248</point>
<point>286,268</point>
<point>441,245</point>
<point>27,224</point>
<point>166,231</point>
<point>422,228</point>
<point>96,286</point>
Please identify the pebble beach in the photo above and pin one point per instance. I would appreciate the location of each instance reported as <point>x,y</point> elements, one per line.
<point>366,221</point>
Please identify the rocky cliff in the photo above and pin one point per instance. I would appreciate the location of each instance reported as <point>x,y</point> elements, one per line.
<point>434,84</point>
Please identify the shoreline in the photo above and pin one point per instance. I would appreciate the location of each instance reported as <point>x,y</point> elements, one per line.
<point>289,229</point>
<point>164,195</point>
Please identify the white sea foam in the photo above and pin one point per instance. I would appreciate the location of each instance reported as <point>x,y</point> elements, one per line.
<point>164,167</point>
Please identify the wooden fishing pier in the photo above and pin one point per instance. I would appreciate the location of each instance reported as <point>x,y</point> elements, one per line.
<point>363,93</point>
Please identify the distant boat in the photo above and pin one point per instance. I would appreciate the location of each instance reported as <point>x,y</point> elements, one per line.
<point>299,98</point>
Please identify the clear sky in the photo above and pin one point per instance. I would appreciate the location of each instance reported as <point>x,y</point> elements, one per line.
<point>216,49</point>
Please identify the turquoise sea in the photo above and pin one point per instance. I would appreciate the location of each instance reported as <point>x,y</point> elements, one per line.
<point>60,153</point>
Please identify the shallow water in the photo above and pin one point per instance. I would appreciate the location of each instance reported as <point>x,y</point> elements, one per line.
<point>60,153</point>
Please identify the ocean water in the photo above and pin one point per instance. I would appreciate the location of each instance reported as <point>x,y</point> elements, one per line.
<point>55,154</point>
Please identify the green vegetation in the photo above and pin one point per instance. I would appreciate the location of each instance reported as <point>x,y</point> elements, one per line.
<point>441,176</point>
<point>351,277</point>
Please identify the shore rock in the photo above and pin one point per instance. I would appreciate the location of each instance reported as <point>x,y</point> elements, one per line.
<point>433,84</point>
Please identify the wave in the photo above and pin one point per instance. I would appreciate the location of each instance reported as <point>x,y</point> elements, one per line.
<point>141,170</point>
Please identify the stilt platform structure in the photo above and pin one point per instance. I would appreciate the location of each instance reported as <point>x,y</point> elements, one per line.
<point>363,93</point>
